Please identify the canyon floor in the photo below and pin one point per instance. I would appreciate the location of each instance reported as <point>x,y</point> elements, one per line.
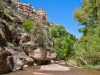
<point>54,69</point>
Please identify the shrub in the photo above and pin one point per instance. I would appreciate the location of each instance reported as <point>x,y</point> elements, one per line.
<point>87,50</point>
<point>27,25</point>
<point>38,34</point>
<point>63,41</point>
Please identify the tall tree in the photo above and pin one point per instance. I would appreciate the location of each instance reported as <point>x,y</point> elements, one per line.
<point>63,41</point>
<point>88,14</point>
<point>87,49</point>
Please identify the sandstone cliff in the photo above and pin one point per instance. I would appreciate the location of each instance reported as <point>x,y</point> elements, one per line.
<point>30,11</point>
<point>16,47</point>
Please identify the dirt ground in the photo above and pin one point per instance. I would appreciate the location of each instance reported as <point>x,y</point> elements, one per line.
<point>54,69</point>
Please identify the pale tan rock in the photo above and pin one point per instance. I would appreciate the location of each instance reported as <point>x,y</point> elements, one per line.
<point>42,14</point>
<point>27,9</point>
<point>15,1</point>
<point>39,54</point>
<point>54,67</point>
<point>25,38</point>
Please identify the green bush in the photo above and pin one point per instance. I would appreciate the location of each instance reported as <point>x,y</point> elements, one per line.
<point>87,50</point>
<point>27,25</point>
<point>38,34</point>
<point>63,41</point>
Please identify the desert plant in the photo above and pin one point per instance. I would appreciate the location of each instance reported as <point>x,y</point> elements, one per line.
<point>27,25</point>
<point>38,34</point>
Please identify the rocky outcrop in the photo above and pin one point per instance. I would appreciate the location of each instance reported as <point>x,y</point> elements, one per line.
<point>25,38</point>
<point>20,58</point>
<point>39,54</point>
<point>15,1</point>
<point>16,47</point>
<point>12,59</point>
<point>9,36</point>
<point>27,9</point>
<point>10,39</point>
<point>6,61</point>
<point>42,14</point>
<point>4,32</point>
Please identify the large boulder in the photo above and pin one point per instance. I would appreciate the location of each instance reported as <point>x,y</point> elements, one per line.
<point>25,38</point>
<point>39,54</point>
<point>13,59</point>
<point>20,58</point>
<point>6,61</point>
<point>29,61</point>
<point>51,55</point>
<point>17,53</point>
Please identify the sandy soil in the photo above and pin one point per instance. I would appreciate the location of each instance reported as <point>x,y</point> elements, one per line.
<point>54,67</point>
<point>51,67</point>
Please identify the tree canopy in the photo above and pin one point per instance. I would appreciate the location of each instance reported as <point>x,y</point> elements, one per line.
<point>88,14</point>
<point>63,41</point>
<point>87,50</point>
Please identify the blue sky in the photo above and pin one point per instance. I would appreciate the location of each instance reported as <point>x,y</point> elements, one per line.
<point>59,11</point>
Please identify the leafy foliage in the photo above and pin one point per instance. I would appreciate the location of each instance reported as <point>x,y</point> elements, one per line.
<point>88,14</point>
<point>87,49</point>
<point>57,31</point>
<point>39,35</point>
<point>63,41</point>
<point>27,25</point>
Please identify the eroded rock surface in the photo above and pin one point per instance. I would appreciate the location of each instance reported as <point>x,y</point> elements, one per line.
<point>6,61</point>
<point>16,47</point>
<point>39,54</point>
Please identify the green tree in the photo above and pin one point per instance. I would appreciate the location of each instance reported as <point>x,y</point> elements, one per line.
<point>63,41</point>
<point>27,25</point>
<point>88,14</point>
<point>87,49</point>
<point>57,31</point>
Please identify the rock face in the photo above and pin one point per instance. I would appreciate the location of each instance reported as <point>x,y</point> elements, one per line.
<point>21,55</point>
<point>18,57</point>
<point>39,54</point>
<point>26,9</point>
<point>30,11</point>
<point>42,14</point>
<point>9,37</point>
<point>16,47</point>
<point>6,61</point>
<point>11,60</point>
<point>25,38</point>
<point>15,1</point>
